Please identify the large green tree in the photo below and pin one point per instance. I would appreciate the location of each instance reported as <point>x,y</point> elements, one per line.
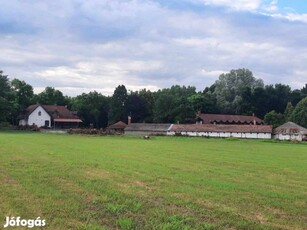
<point>263,100</point>
<point>229,87</point>
<point>275,119</point>
<point>204,102</point>
<point>173,105</point>
<point>22,97</point>
<point>23,93</point>
<point>51,96</point>
<point>6,106</point>
<point>288,111</point>
<point>299,114</point>
<point>138,108</point>
<point>92,108</point>
<point>118,105</point>
<point>276,97</point>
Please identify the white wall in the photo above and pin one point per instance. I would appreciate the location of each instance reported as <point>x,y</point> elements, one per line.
<point>282,137</point>
<point>147,133</point>
<point>265,135</point>
<point>35,119</point>
<point>224,134</point>
<point>23,122</point>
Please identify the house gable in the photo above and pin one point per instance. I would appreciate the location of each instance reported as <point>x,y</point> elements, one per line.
<point>39,117</point>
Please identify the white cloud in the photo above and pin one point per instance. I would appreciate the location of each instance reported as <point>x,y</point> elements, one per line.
<point>99,72</point>
<point>292,17</point>
<point>97,45</point>
<point>236,4</point>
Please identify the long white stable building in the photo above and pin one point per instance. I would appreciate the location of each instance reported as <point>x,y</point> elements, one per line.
<point>223,131</point>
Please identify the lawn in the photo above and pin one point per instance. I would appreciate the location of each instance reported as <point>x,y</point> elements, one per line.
<point>120,182</point>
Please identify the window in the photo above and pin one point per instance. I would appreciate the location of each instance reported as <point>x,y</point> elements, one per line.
<point>46,123</point>
<point>39,113</point>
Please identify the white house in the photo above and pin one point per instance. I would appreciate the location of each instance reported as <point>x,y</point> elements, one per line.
<point>49,116</point>
<point>290,131</point>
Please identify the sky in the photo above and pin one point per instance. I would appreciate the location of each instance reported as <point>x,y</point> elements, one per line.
<point>80,46</point>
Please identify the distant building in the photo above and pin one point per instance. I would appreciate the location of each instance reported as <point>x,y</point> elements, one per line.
<point>225,119</point>
<point>52,116</point>
<point>147,129</point>
<point>210,130</point>
<point>118,127</point>
<point>290,131</point>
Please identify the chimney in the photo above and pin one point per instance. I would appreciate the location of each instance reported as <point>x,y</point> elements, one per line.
<point>129,120</point>
<point>254,119</point>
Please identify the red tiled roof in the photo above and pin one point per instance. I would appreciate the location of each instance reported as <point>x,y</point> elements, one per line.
<point>290,128</point>
<point>224,118</point>
<point>221,128</point>
<point>118,125</point>
<point>59,111</point>
<point>26,112</point>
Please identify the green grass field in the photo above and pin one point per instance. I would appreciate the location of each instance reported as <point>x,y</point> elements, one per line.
<point>117,182</point>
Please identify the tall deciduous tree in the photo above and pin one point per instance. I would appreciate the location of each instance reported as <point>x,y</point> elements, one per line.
<point>137,107</point>
<point>118,104</point>
<point>22,97</point>
<point>275,119</point>
<point>204,102</point>
<point>51,96</point>
<point>288,111</point>
<point>5,98</point>
<point>229,86</point>
<point>23,93</point>
<point>92,108</point>
<point>172,105</point>
<point>299,114</point>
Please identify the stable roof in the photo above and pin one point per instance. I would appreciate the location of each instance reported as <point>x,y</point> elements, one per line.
<point>225,118</point>
<point>290,128</point>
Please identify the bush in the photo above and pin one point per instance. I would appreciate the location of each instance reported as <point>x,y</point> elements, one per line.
<point>28,128</point>
<point>87,131</point>
<point>5,124</point>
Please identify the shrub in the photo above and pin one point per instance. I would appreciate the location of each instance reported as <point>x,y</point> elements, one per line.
<point>87,131</point>
<point>28,128</point>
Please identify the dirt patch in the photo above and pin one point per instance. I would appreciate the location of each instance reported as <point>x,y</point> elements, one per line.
<point>140,184</point>
<point>277,212</point>
<point>96,173</point>
<point>69,186</point>
<point>260,218</point>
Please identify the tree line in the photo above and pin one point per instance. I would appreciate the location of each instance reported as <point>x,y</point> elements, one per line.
<point>236,92</point>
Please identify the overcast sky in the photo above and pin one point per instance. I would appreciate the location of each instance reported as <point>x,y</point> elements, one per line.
<point>79,46</point>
